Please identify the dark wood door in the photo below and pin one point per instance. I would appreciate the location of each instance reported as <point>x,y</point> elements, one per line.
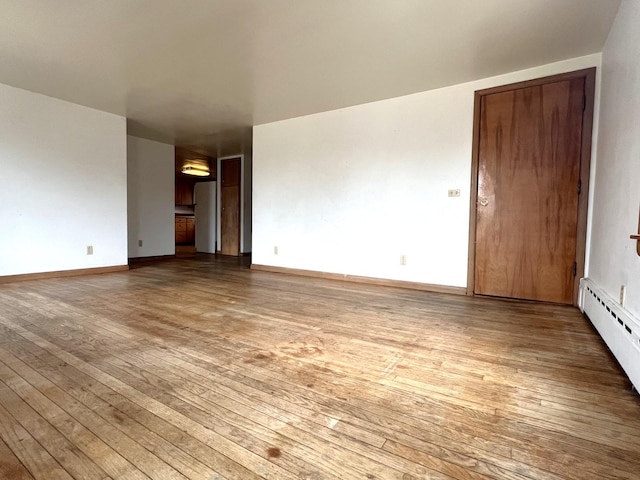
<point>529,157</point>
<point>230,206</point>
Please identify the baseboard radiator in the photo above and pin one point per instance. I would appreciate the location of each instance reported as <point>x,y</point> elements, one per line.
<point>618,327</point>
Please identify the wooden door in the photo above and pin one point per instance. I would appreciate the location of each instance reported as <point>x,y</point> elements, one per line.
<point>230,206</point>
<point>530,142</point>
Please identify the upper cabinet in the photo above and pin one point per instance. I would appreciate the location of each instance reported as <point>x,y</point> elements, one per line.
<point>184,191</point>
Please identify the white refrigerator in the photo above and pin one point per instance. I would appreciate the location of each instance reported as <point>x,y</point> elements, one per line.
<point>205,213</point>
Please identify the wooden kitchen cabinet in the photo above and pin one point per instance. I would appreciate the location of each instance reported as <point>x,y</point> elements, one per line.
<point>184,191</point>
<point>191,230</point>
<point>185,230</point>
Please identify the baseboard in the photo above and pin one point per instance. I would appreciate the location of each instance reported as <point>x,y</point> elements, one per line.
<point>151,259</point>
<point>425,287</point>
<point>62,273</point>
<point>241,254</point>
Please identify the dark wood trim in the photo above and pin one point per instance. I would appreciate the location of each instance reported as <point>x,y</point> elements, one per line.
<point>151,259</point>
<point>589,74</point>
<point>637,237</point>
<point>475,146</point>
<point>585,72</point>
<point>62,273</point>
<point>426,287</point>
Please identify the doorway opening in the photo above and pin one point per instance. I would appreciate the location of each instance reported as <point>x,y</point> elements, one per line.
<point>186,215</point>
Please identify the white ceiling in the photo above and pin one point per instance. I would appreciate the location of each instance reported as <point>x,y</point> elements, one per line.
<point>201,72</point>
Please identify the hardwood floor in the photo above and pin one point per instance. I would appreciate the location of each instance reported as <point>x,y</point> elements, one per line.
<point>203,369</point>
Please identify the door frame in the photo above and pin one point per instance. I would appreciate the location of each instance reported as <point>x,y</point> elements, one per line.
<point>589,75</point>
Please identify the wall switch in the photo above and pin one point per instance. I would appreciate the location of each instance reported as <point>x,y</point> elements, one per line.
<point>403,259</point>
<point>454,192</point>
<point>89,249</point>
<point>622,292</point>
<point>275,250</point>
<point>139,243</point>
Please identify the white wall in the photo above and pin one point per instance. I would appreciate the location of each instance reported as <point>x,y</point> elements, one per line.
<point>614,261</point>
<point>64,185</point>
<point>350,191</point>
<point>151,197</point>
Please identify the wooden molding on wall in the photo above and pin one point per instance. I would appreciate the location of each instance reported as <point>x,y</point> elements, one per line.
<point>151,259</point>
<point>425,287</point>
<point>62,273</point>
<point>475,149</point>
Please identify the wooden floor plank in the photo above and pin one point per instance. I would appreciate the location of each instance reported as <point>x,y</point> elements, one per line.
<point>180,460</point>
<point>79,437</point>
<point>10,466</point>
<point>332,381</point>
<point>45,452</point>
<point>197,461</point>
<point>50,397</point>
<point>21,449</point>
<point>200,368</point>
<point>229,448</point>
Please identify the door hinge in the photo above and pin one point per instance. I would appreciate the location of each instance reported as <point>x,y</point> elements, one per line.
<point>579,186</point>
<point>575,268</point>
<point>584,103</point>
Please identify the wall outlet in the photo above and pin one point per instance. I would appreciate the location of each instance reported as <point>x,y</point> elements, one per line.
<point>89,249</point>
<point>622,292</point>
<point>454,193</point>
<point>139,243</point>
<point>403,259</point>
<point>275,250</point>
